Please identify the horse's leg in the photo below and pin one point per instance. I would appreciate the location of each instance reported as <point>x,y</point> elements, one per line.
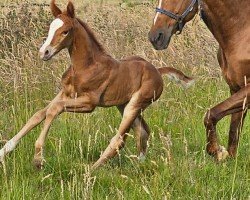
<point>56,108</point>
<point>142,132</point>
<point>51,113</point>
<point>234,104</point>
<point>36,119</point>
<point>237,120</point>
<point>131,111</point>
<point>236,124</point>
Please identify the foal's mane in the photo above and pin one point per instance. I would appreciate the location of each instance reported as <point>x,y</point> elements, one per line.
<point>91,35</point>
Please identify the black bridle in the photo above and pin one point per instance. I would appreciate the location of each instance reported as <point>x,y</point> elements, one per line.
<point>178,18</point>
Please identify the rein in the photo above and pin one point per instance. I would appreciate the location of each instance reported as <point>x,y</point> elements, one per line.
<point>178,18</point>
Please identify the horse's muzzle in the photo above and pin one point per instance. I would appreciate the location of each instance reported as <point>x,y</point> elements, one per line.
<point>47,53</point>
<point>159,39</point>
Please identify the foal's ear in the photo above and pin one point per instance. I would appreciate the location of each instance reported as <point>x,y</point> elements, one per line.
<point>71,10</point>
<point>54,9</point>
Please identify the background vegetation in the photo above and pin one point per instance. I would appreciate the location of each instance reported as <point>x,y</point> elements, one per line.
<point>176,167</point>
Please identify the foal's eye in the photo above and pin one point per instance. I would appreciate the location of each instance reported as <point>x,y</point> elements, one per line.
<point>65,33</point>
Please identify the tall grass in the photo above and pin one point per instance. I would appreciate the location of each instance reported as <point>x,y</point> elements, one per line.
<point>176,167</point>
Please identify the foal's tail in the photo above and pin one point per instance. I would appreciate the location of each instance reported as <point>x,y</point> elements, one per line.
<point>177,76</point>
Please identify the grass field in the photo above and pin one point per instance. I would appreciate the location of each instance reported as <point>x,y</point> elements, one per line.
<point>176,167</point>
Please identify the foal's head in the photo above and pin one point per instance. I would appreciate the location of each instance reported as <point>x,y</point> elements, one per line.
<point>171,16</point>
<point>60,32</point>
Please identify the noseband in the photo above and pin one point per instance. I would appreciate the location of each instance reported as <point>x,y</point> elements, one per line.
<point>178,18</point>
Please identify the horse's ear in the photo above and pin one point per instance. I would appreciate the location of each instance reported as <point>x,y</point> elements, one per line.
<point>54,9</point>
<point>71,10</point>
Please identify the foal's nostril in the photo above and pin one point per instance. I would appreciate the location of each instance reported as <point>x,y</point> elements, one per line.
<point>46,52</point>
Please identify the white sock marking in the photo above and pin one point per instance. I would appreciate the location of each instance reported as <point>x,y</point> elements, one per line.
<point>54,26</point>
<point>1,154</point>
<point>8,147</point>
<point>142,157</point>
<point>157,14</point>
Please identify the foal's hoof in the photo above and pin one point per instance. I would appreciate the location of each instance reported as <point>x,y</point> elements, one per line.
<point>141,157</point>
<point>1,156</point>
<point>38,163</point>
<point>97,164</point>
<point>1,159</point>
<point>222,154</point>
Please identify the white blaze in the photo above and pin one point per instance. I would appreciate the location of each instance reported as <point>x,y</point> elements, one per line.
<point>157,14</point>
<point>54,26</point>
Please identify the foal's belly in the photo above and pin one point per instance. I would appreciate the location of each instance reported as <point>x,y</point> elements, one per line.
<point>115,96</point>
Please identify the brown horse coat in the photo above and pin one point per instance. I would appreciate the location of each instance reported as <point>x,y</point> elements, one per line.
<point>229,22</point>
<point>96,79</point>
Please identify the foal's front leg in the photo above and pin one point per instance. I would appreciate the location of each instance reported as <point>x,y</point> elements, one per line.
<point>36,119</point>
<point>80,104</point>
<point>53,110</point>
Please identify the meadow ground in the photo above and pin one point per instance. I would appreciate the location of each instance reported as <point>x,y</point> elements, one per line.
<point>176,167</point>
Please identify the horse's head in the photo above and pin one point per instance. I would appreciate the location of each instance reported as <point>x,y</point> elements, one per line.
<point>60,34</point>
<point>171,16</point>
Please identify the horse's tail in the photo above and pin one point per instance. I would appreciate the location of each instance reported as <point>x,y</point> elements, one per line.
<point>177,76</point>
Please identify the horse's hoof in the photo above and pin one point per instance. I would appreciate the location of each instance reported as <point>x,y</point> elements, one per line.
<point>96,165</point>
<point>1,160</point>
<point>222,154</point>
<point>1,156</point>
<point>38,163</point>
<point>141,157</point>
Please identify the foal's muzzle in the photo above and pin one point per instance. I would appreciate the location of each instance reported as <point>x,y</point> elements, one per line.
<point>47,53</point>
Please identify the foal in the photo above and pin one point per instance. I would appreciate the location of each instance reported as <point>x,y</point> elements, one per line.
<point>95,79</point>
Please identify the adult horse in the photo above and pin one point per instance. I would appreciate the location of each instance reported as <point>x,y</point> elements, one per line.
<point>95,79</point>
<point>228,20</point>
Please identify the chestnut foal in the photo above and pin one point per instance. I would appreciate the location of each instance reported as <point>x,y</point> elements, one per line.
<point>95,79</point>
<point>229,22</point>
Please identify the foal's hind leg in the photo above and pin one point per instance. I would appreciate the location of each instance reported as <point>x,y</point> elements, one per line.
<point>131,111</point>
<point>142,132</point>
<point>234,104</point>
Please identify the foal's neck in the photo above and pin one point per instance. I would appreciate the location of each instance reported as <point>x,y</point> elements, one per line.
<point>225,18</point>
<point>84,50</point>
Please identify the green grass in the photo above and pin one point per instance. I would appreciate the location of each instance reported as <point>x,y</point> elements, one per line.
<point>175,169</point>
<point>177,166</point>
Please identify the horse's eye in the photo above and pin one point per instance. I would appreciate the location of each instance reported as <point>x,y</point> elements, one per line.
<point>65,33</point>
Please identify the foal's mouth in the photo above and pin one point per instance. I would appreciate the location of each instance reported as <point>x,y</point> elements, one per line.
<point>48,54</point>
<point>46,58</point>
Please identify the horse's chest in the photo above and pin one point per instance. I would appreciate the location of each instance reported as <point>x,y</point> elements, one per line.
<point>236,77</point>
<point>73,85</point>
